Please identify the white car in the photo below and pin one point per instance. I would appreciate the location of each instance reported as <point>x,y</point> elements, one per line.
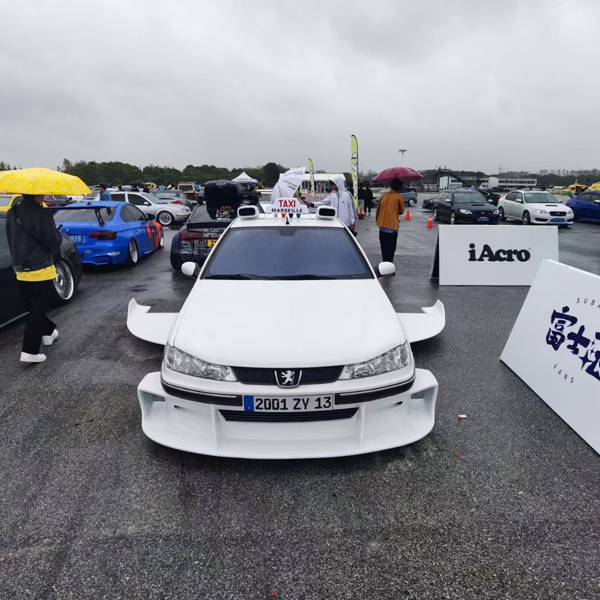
<point>316,376</point>
<point>162,211</point>
<point>534,208</point>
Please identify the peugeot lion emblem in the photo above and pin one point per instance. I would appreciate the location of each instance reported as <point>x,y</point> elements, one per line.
<point>288,377</point>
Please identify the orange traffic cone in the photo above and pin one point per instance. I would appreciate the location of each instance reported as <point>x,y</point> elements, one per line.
<point>408,215</point>
<point>430,222</point>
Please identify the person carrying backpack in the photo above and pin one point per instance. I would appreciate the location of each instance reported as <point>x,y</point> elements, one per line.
<point>33,241</point>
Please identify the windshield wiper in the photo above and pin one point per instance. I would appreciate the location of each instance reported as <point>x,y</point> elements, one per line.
<point>237,276</point>
<point>305,276</point>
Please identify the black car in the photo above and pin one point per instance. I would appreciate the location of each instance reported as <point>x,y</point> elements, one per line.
<point>68,269</point>
<point>194,241</point>
<point>491,197</point>
<point>464,206</point>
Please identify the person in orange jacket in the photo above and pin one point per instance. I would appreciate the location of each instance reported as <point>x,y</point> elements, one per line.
<point>389,209</point>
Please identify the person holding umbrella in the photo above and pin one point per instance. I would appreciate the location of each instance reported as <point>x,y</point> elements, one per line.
<point>33,241</point>
<point>389,209</point>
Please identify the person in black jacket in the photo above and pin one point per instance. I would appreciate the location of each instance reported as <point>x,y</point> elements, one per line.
<point>33,241</point>
<point>368,199</point>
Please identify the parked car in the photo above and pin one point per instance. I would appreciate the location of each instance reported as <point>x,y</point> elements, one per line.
<point>68,269</point>
<point>161,210</point>
<point>491,197</point>
<point>464,206</point>
<point>273,389</point>
<point>585,206</point>
<point>110,233</point>
<point>194,241</point>
<point>189,189</point>
<point>175,197</point>
<point>7,201</point>
<point>534,208</point>
<point>57,201</point>
<point>409,195</point>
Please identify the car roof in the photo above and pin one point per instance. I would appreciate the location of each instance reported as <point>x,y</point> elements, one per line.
<point>269,220</point>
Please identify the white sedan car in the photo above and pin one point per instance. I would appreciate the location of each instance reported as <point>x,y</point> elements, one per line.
<point>314,376</point>
<point>534,208</point>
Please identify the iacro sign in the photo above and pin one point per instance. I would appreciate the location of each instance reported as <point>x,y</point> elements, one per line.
<point>492,254</point>
<point>554,346</point>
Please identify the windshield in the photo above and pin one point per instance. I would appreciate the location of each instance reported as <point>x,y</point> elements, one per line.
<point>468,197</point>
<point>186,188</point>
<point>287,252</point>
<point>83,215</point>
<point>5,200</point>
<point>265,198</point>
<point>540,197</point>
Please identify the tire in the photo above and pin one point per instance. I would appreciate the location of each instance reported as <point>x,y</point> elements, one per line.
<point>452,218</point>
<point>165,218</point>
<point>161,240</point>
<point>64,284</point>
<point>133,255</point>
<point>435,214</point>
<point>176,262</point>
<point>503,217</point>
<point>526,218</point>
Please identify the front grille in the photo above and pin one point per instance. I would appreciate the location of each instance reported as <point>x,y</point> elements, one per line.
<point>288,417</point>
<point>310,376</point>
<point>555,213</point>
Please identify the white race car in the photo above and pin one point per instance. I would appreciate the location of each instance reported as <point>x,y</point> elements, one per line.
<point>316,375</point>
<point>534,208</point>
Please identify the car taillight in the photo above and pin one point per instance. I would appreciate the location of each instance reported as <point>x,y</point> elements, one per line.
<point>103,235</point>
<point>191,235</point>
<point>47,203</point>
<point>175,201</point>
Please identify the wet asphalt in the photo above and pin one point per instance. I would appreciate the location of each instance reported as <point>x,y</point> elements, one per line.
<point>503,504</point>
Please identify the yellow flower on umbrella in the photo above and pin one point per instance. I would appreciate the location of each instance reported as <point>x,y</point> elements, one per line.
<point>39,181</point>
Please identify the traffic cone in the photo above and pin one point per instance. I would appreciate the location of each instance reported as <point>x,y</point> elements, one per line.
<point>408,215</point>
<point>430,222</point>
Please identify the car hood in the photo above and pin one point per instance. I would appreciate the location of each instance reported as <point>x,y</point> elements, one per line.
<point>287,324</point>
<point>478,206</point>
<point>545,206</point>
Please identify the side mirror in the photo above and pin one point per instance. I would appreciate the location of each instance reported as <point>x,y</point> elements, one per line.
<point>146,203</point>
<point>190,269</point>
<point>385,269</point>
<point>596,201</point>
<point>448,200</point>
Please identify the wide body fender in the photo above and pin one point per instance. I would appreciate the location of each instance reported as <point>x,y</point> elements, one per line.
<point>425,325</point>
<point>150,327</point>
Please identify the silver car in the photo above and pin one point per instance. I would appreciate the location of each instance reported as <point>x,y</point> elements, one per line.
<point>161,210</point>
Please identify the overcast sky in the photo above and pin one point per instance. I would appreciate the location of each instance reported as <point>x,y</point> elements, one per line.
<point>470,84</point>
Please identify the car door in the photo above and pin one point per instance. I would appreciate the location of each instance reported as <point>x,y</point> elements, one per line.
<point>508,205</point>
<point>144,228</point>
<point>12,304</point>
<point>135,229</point>
<point>594,206</point>
<point>448,205</point>
<point>518,206</point>
<point>147,207</point>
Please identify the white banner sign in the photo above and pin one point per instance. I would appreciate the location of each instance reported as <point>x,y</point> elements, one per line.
<point>492,254</point>
<point>554,346</point>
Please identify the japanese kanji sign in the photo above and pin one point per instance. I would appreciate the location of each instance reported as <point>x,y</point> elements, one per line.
<point>554,346</point>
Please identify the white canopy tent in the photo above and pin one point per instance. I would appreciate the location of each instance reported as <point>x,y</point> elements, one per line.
<point>243,177</point>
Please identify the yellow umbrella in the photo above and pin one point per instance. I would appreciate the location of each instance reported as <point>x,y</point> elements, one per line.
<point>41,181</point>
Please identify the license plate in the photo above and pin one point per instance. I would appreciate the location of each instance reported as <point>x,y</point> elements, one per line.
<point>288,403</point>
<point>483,219</point>
<point>211,243</point>
<point>558,220</point>
<point>78,239</point>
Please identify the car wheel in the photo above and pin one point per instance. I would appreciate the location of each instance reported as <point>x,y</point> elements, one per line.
<point>176,262</point>
<point>132,253</point>
<point>64,284</point>
<point>165,218</point>
<point>526,219</point>
<point>435,214</point>
<point>452,218</point>
<point>502,215</point>
<point>161,239</point>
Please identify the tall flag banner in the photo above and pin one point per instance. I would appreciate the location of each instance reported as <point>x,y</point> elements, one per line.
<point>311,170</point>
<point>354,167</point>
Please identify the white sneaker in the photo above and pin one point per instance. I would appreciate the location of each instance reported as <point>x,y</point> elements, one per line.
<point>32,358</point>
<point>47,340</point>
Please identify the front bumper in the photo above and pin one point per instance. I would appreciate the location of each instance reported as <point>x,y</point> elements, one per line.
<point>538,219</point>
<point>492,219</point>
<point>201,427</point>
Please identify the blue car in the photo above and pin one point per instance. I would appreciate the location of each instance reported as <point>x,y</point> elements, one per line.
<point>109,233</point>
<point>586,206</point>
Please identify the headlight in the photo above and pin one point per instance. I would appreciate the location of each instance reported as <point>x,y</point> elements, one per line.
<point>464,211</point>
<point>182,362</point>
<point>496,212</point>
<point>392,360</point>
<point>539,211</point>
